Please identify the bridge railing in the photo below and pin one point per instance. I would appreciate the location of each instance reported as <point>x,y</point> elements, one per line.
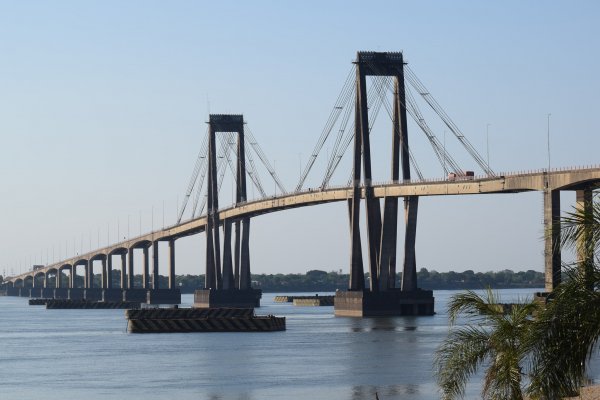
<point>308,191</point>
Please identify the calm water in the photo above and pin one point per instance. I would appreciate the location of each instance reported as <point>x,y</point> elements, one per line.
<point>57,354</point>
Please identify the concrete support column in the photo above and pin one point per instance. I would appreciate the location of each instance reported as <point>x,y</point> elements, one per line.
<point>86,274</point>
<point>213,242</point>
<point>155,275</point>
<point>46,280</point>
<point>57,279</point>
<point>552,253</point>
<point>130,275</point>
<point>109,280</point>
<point>123,271</point>
<point>89,275</point>
<point>409,274</point>
<point>372,205</point>
<point>357,279</point>
<point>245,275</point>
<point>104,274</point>
<point>236,254</point>
<point>72,276</point>
<point>228,279</point>
<point>171,264</point>
<point>585,245</point>
<point>146,271</point>
<point>387,254</point>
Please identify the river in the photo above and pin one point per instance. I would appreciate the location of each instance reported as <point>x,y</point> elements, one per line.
<point>87,354</point>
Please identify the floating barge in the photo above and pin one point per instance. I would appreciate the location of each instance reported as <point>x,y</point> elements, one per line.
<point>166,320</point>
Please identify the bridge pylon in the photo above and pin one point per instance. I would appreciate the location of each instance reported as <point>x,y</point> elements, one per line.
<point>382,297</point>
<point>228,279</point>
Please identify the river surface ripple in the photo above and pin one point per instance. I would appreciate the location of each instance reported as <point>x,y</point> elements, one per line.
<point>87,354</point>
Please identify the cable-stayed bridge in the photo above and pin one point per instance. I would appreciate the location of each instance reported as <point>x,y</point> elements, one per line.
<point>376,82</point>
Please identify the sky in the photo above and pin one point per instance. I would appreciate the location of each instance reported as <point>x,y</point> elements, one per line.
<point>103,109</point>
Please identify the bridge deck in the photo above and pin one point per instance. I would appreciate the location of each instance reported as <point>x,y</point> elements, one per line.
<point>568,179</point>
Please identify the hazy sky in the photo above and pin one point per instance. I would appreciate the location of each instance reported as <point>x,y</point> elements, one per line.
<point>103,107</point>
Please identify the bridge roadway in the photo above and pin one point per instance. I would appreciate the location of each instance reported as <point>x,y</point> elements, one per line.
<point>556,180</point>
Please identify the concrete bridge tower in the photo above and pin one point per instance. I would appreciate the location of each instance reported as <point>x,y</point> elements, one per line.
<point>228,279</point>
<point>382,297</point>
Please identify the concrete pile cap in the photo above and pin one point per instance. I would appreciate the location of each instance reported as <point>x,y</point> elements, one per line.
<point>189,313</point>
<point>216,324</point>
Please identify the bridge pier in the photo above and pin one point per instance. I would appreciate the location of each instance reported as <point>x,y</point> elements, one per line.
<point>172,264</point>
<point>155,274</point>
<point>231,286</point>
<point>130,273</point>
<point>585,245</point>
<point>145,271</point>
<point>112,295</point>
<point>104,274</point>
<point>382,297</point>
<point>552,252</point>
<point>60,293</point>
<point>76,293</point>
<point>87,274</point>
<point>135,295</point>
<point>93,294</point>
<point>108,266</point>
<point>123,271</point>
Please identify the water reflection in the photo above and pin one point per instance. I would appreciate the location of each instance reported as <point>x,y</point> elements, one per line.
<point>319,356</point>
<point>383,324</point>
<point>370,392</point>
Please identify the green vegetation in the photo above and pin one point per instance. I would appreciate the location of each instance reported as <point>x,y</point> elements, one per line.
<point>322,281</point>
<point>492,337</point>
<point>317,280</point>
<point>549,345</point>
<point>568,329</point>
<point>505,279</point>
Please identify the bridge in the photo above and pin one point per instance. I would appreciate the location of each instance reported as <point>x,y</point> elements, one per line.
<point>228,263</point>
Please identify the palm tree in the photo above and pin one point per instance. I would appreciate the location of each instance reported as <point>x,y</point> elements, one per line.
<point>564,337</point>
<point>568,329</point>
<point>494,338</point>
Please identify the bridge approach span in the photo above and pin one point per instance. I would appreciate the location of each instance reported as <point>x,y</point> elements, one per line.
<point>568,179</point>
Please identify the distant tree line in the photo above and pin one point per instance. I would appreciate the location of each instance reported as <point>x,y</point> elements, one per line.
<point>317,280</point>
<point>322,281</point>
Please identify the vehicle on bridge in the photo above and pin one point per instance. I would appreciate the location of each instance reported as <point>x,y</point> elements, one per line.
<point>468,176</point>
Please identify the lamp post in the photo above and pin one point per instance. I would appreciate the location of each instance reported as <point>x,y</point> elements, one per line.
<point>548,141</point>
<point>445,170</point>
<point>487,144</point>
<point>299,165</point>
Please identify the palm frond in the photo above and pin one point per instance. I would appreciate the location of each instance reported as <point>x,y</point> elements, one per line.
<point>493,337</point>
<point>469,302</point>
<point>565,335</point>
<point>458,358</point>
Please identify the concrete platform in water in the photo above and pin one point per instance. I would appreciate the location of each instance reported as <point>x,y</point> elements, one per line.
<point>385,303</point>
<point>318,301</point>
<point>59,304</point>
<point>169,320</point>
<point>310,301</point>
<point>233,298</point>
<point>315,300</point>
<point>38,302</point>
